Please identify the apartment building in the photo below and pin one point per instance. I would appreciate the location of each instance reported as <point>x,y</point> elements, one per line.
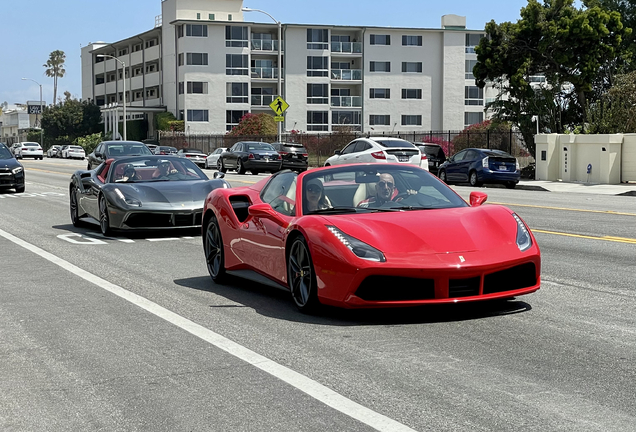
<point>208,66</point>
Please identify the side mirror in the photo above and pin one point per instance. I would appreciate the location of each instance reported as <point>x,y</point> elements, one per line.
<point>265,211</point>
<point>477,198</point>
<point>337,152</point>
<point>219,175</point>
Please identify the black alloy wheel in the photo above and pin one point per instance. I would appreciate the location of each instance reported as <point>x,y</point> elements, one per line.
<point>473,180</point>
<point>239,166</point>
<point>104,220</point>
<point>301,276</point>
<point>73,207</point>
<point>221,166</point>
<point>213,248</point>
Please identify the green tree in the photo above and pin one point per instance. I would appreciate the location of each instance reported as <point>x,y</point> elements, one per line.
<point>627,9</point>
<point>162,120</point>
<point>615,111</point>
<point>575,50</point>
<point>255,124</point>
<point>55,69</point>
<point>69,120</point>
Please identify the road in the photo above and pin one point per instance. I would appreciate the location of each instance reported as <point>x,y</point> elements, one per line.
<point>130,333</point>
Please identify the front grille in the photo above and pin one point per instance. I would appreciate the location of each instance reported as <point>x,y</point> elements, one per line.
<point>182,220</point>
<point>521,276</point>
<point>149,220</point>
<point>463,287</point>
<point>395,288</point>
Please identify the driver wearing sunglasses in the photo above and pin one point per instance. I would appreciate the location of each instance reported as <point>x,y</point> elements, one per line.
<point>384,192</point>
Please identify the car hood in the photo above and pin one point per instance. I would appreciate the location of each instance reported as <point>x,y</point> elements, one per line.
<point>9,163</point>
<point>168,192</point>
<point>427,232</point>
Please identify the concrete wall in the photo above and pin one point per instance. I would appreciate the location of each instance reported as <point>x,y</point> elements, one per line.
<point>611,158</point>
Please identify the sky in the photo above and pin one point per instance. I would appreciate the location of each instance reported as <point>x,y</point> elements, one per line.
<point>31,30</point>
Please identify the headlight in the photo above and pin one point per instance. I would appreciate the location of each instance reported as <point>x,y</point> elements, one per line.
<point>524,241</point>
<point>130,201</point>
<point>17,170</point>
<point>359,248</point>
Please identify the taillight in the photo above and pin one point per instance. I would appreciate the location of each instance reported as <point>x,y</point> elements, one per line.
<point>517,166</point>
<point>279,157</point>
<point>306,154</point>
<point>484,162</point>
<point>282,153</point>
<point>251,156</point>
<point>378,155</point>
<point>424,157</point>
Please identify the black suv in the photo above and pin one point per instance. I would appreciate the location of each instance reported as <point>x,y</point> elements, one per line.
<point>295,156</point>
<point>435,155</point>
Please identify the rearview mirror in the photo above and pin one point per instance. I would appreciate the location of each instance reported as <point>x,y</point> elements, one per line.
<point>337,152</point>
<point>477,198</point>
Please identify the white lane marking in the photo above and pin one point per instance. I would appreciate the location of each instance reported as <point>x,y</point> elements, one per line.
<point>283,373</point>
<point>102,236</point>
<point>83,240</point>
<point>31,195</point>
<point>162,239</point>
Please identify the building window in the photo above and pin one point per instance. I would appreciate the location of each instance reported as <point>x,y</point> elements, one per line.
<point>197,59</point>
<point>180,31</point>
<point>342,118</point>
<point>380,39</point>
<point>180,59</point>
<point>233,118</point>
<point>99,79</point>
<point>470,64</point>
<point>317,121</point>
<point>473,95</point>
<point>262,96</point>
<point>317,93</point>
<point>99,59</point>
<point>380,93</point>
<point>153,67</point>
<point>318,39</point>
<point>236,36</point>
<point>317,66</point>
<point>229,17</point>
<point>151,93</point>
<point>197,87</point>
<point>411,120</point>
<point>412,67</point>
<point>472,40</point>
<point>197,115</point>
<point>198,15</point>
<point>211,17</point>
<point>123,52</point>
<point>152,42</point>
<point>471,118</point>
<point>375,66</point>
<point>181,87</point>
<point>411,40</point>
<point>237,93</point>
<point>236,64</point>
<point>197,30</point>
<point>411,93</point>
<point>380,120</point>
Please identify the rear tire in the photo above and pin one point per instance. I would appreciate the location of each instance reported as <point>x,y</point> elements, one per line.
<point>511,185</point>
<point>442,176</point>
<point>221,166</point>
<point>214,253</point>
<point>473,179</point>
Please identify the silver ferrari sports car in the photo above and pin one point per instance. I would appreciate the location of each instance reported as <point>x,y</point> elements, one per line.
<point>141,192</point>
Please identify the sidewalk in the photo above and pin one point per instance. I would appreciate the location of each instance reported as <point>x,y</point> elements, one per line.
<point>623,189</point>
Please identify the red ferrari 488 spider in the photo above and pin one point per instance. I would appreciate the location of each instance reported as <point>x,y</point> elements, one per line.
<point>369,235</point>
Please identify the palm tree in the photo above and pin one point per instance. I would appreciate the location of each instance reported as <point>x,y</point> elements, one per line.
<point>55,69</point>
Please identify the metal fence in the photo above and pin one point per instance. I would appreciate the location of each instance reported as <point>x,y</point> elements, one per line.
<point>321,146</point>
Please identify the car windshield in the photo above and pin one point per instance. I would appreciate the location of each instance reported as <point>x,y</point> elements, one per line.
<point>259,146</point>
<point>369,188</point>
<point>432,151</point>
<point>154,169</point>
<point>5,153</point>
<point>128,149</point>
<point>393,143</point>
<point>31,144</point>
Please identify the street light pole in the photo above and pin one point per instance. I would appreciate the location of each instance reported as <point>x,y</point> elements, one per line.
<point>280,57</point>
<point>123,65</point>
<point>41,111</point>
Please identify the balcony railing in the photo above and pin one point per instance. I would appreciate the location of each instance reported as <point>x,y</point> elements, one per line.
<point>346,74</point>
<point>265,45</point>
<point>266,73</point>
<point>262,100</point>
<point>346,47</point>
<point>346,101</point>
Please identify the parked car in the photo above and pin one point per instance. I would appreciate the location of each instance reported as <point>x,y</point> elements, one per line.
<point>141,192</point>
<point>478,166</point>
<point>116,149</point>
<point>213,158</point>
<point>165,150</point>
<point>337,250</point>
<point>152,144</point>
<point>434,154</point>
<point>53,150</point>
<point>13,148</point>
<point>295,156</point>
<point>378,150</point>
<point>29,149</point>
<point>11,171</point>
<point>253,156</point>
<point>195,155</point>
<point>73,152</point>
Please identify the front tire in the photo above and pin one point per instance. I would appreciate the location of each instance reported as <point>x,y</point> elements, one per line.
<point>301,276</point>
<point>74,209</point>
<point>239,167</point>
<point>104,219</point>
<point>473,179</point>
<point>206,166</point>
<point>213,248</point>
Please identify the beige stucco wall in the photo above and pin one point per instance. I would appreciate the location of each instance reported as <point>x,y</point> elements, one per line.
<point>629,158</point>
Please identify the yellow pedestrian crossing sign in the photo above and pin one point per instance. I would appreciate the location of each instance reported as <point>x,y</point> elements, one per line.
<point>279,106</point>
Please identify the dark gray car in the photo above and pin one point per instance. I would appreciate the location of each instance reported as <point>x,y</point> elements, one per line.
<point>253,156</point>
<point>116,149</point>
